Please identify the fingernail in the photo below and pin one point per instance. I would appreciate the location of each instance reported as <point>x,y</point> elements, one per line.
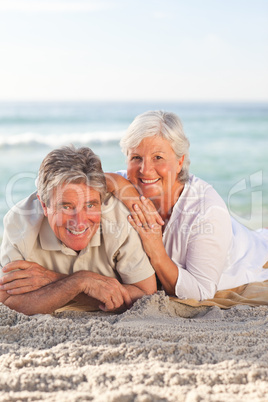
<point>143,198</point>
<point>136,207</point>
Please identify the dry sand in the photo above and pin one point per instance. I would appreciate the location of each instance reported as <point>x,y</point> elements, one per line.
<point>159,350</point>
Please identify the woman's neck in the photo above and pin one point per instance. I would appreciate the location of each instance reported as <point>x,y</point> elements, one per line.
<point>165,203</point>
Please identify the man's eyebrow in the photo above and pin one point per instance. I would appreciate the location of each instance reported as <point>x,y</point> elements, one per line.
<point>93,201</point>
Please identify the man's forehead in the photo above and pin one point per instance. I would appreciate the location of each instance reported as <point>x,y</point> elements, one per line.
<point>74,190</point>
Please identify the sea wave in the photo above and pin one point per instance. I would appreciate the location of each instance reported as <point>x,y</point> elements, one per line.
<point>32,139</point>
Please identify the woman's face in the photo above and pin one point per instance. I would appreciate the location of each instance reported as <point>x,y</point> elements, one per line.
<point>153,168</point>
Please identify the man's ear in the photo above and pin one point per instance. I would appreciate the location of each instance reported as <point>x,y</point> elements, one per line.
<point>43,205</point>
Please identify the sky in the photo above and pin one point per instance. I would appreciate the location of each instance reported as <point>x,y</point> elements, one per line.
<point>136,50</point>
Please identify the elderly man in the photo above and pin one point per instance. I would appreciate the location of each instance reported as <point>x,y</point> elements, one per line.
<point>71,242</point>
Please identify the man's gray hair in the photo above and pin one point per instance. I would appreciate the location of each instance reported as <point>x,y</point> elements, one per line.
<point>163,124</point>
<point>70,165</point>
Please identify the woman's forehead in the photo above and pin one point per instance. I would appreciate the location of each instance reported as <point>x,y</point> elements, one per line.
<point>152,145</point>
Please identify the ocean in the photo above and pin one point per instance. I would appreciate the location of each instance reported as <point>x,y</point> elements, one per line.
<point>229,143</point>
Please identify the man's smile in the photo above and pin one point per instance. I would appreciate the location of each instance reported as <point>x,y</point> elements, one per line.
<point>77,233</point>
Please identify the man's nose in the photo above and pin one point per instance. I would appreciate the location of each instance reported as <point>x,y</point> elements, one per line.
<point>79,217</point>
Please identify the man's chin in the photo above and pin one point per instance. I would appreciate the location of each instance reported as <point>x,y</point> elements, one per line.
<point>77,243</point>
<point>77,246</point>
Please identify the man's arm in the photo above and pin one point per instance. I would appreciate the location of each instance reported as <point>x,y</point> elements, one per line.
<point>22,277</point>
<point>146,287</point>
<point>110,293</point>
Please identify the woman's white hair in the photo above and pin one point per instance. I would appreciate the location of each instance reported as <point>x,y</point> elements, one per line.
<point>165,125</point>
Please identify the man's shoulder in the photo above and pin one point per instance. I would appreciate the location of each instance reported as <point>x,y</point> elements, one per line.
<point>115,226</point>
<point>113,210</point>
<point>24,217</point>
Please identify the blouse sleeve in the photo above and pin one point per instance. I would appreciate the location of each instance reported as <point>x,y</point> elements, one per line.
<point>206,255</point>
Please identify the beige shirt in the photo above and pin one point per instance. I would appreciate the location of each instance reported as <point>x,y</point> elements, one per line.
<point>114,251</point>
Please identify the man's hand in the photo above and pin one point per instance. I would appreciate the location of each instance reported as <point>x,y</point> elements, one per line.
<point>24,276</point>
<point>108,291</point>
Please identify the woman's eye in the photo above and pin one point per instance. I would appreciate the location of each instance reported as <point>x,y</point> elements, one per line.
<point>158,157</point>
<point>136,157</point>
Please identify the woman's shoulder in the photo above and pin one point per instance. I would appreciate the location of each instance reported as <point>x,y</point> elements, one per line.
<point>199,196</point>
<point>122,173</point>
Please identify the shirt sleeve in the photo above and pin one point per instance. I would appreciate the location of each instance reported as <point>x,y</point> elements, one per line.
<point>132,262</point>
<point>9,252</point>
<point>122,173</point>
<point>206,256</point>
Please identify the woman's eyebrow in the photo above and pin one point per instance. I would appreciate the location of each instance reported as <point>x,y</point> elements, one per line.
<point>153,152</point>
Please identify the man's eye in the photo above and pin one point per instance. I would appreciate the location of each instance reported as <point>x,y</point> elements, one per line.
<point>90,206</point>
<point>66,207</point>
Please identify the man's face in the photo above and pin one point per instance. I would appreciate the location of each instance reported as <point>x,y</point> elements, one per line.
<point>74,214</point>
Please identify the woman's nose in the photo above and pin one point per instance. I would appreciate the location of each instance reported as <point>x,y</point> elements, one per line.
<point>145,167</point>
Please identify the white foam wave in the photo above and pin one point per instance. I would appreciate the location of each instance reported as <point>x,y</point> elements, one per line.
<point>58,139</point>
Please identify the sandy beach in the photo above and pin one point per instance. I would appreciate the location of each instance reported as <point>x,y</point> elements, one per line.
<point>158,350</point>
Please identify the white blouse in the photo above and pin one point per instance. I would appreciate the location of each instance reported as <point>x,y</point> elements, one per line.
<point>211,250</point>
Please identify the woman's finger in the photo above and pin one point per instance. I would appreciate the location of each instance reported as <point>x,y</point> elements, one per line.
<point>138,216</point>
<point>134,224</point>
<point>151,210</point>
<point>146,217</point>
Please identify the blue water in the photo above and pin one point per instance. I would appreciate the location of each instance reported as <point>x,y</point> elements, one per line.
<point>229,145</point>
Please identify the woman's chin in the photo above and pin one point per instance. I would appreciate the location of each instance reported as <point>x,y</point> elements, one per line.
<point>150,192</point>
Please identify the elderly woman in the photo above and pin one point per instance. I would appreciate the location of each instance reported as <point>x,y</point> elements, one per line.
<point>194,245</point>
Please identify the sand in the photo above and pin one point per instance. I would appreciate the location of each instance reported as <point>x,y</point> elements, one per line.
<point>157,351</point>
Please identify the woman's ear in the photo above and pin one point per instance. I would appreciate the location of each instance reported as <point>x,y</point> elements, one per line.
<point>43,205</point>
<point>180,163</point>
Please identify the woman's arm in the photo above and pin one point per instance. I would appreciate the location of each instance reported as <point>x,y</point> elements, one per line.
<point>150,233</point>
<point>206,252</point>
<point>122,189</point>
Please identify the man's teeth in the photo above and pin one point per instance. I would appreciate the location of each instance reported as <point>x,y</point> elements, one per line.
<point>149,181</point>
<point>74,232</point>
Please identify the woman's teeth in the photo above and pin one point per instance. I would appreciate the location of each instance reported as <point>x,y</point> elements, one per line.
<point>149,181</point>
